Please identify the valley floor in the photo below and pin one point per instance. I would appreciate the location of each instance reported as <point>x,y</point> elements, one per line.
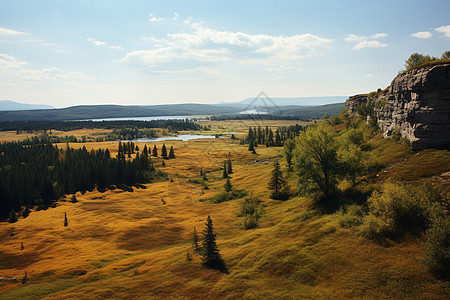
<point>135,245</point>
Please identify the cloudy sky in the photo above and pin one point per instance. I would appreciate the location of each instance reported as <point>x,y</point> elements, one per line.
<point>67,53</point>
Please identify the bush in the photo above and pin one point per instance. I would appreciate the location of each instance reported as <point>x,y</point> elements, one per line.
<point>227,196</point>
<point>437,247</point>
<point>351,216</point>
<point>393,211</point>
<point>251,210</point>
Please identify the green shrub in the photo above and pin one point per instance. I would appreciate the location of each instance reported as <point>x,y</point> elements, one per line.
<point>351,216</point>
<point>227,196</point>
<point>393,211</point>
<point>251,210</point>
<point>437,247</point>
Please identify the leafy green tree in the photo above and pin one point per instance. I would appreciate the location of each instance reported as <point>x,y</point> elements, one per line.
<point>445,55</point>
<point>316,161</point>
<point>277,184</point>
<point>211,256</point>
<point>417,59</point>
<point>289,146</point>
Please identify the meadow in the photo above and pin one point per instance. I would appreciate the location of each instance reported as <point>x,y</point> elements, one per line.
<point>138,245</point>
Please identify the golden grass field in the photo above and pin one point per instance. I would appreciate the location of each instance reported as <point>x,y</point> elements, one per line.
<point>129,245</point>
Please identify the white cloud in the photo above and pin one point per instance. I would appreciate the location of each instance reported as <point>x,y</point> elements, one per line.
<point>116,47</point>
<point>13,67</point>
<point>153,18</point>
<point>369,44</point>
<point>365,41</point>
<point>422,34</point>
<point>355,38</point>
<point>444,29</point>
<point>5,31</point>
<point>368,75</point>
<point>95,42</point>
<point>175,16</point>
<point>379,36</point>
<point>208,47</point>
<point>10,62</point>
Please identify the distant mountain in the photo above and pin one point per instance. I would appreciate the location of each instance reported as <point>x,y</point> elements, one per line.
<point>86,112</point>
<point>8,105</point>
<point>298,101</point>
<point>313,112</point>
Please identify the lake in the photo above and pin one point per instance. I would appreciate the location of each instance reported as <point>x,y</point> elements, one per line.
<point>149,118</point>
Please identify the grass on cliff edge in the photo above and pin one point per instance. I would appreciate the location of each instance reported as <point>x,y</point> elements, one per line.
<point>130,245</point>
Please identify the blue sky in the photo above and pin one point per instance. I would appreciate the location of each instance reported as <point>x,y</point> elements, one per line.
<point>66,53</point>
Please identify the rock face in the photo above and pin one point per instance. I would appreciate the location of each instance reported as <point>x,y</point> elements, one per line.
<point>417,105</point>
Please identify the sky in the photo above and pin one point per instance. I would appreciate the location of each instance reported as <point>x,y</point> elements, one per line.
<point>66,53</point>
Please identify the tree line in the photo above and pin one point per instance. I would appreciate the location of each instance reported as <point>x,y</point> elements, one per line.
<point>39,174</point>
<point>44,126</point>
<point>265,136</point>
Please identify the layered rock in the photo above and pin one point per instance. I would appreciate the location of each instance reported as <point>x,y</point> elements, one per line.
<point>417,105</point>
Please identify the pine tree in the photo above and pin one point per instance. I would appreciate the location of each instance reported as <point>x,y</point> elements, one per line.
<point>204,177</point>
<point>145,151</point>
<point>155,151</point>
<point>12,216</point>
<point>171,152</point>
<point>201,171</point>
<point>66,222</point>
<point>230,168</point>
<point>164,151</point>
<point>21,246</point>
<point>228,187</point>
<point>225,173</point>
<point>277,184</point>
<point>251,147</point>
<point>211,256</point>
<point>195,240</point>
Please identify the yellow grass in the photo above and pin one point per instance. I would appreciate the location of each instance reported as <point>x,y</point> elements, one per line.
<point>129,245</point>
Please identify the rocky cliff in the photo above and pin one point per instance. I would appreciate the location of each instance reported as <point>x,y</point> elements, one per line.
<point>417,105</point>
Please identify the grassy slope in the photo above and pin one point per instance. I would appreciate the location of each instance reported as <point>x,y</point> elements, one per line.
<point>129,245</point>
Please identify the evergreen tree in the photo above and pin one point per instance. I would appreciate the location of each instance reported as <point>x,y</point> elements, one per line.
<point>289,146</point>
<point>277,138</point>
<point>164,151</point>
<point>251,147</point>
<point>225,173</point>
<point>211,256</point>
<point>204,177</point>
<point>171,152</point>
<point>195,240</point>
<point>229,167</point>
<point>145,151</point>
<point>66,222</point>
<point>277,184</point>
<point>201,171</point>
<point>12,216</point>
<point>155,151</point>
<point>21,246</point>
<point>228,187</point>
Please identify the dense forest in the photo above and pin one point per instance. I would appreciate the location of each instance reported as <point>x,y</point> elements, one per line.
<point>255,117</point>
<point>39,174</point>
<point>33,126</point>
<point>265,136</point>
